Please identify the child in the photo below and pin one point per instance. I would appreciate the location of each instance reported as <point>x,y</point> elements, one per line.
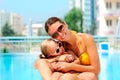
<point>53,51</point>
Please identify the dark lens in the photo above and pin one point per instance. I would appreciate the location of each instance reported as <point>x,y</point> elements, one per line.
<point>60,44</point>
<point>57,50</point>
<point>55,35</point>
<point>60,28</point>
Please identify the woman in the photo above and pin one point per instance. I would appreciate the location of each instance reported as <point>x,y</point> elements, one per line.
<point>81,44</point>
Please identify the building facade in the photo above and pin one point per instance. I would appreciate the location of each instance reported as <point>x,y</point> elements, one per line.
<point>107,17</point>
<point>32,30</point>
<point>16,23</point>
<point>88,8</point>
<point>89,14</point>
<point>13,19</point>
<point>4,18</point>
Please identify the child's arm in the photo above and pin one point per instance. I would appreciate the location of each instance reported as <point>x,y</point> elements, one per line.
<point>65,58</point>
<point>68,56</point>
<point>44,68</point>
<point>76,60</point>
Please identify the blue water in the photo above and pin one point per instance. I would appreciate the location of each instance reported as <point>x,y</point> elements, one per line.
<point>20,67</point>
<point>110,65</point>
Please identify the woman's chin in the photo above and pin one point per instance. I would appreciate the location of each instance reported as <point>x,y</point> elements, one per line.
<point>65,38</point>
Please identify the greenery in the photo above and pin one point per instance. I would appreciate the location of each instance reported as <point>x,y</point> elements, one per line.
<point>7,31</point>
<point>74,19</point>
<point>39,32</point>
<point>5,50</point>
<point>42,32</point>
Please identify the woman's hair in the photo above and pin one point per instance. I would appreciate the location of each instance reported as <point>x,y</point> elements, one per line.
<point>44,46</point>
<point>50,21</point>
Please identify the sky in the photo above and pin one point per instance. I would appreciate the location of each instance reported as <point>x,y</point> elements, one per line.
<point>37,10</point>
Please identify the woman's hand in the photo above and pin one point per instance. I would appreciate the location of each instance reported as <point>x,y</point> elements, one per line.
<point>63,66</point>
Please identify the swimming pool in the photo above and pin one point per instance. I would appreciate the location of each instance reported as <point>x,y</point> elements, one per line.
<point>20,67</point>
<point>110,65</point>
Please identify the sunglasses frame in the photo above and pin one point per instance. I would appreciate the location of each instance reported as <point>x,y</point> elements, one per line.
<point>58,49</point>
<point>58,30</point>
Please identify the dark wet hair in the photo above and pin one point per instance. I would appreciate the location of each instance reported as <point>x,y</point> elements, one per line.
<point>51,21</point>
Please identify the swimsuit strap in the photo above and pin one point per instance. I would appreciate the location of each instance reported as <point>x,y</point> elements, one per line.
<point>78,41</point>
<point>84,57</point>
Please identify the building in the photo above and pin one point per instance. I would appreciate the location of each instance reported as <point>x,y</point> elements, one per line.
<point>107,17</point>
<point>16,23</point>
<point>88,8</point>
<point>75,3</point>
<point>13,19</point>
<point>35,28</point>
<point>32,30</point>
<point>4,18</point>
<point>89,14</point>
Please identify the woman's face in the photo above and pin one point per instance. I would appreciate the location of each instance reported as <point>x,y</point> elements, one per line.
<point>58,31</point>
<point>55,49</point>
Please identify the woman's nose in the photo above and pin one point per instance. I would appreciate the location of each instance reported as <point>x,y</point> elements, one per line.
<point>59,35</point>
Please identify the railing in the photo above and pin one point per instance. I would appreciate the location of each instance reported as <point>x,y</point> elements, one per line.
<point>20,44</point>
<point>114,41</point>
<point>32,44</point>
<point>14,67</point>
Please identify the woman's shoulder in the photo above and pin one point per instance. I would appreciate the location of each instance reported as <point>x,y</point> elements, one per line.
<point>85,35</point>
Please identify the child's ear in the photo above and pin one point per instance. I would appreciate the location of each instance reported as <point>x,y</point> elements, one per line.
<point>41,56</point>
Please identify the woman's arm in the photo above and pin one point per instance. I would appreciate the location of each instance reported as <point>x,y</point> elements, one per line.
<point>91,49</point>
<point>93,53</point>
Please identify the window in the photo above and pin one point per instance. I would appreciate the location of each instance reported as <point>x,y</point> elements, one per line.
<point>118,5</point>
<point>108,5</point>
<point>109,22</point>
<point>117,20</point>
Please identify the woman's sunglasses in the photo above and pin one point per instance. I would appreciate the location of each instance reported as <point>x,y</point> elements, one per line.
<point>58,30</point>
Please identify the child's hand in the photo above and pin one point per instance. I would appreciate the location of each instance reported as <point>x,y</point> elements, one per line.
<point>69,58</point>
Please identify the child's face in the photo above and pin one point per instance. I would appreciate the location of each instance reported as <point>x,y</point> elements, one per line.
<point>55,49</point>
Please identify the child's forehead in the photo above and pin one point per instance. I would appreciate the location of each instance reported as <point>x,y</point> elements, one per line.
<point>53,42</point>
<point>52,47</point>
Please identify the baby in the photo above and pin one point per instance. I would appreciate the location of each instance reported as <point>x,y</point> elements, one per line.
<point>54,51</point>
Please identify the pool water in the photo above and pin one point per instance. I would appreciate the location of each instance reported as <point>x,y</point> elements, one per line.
<point>110,65</point>
<point>20,67</point>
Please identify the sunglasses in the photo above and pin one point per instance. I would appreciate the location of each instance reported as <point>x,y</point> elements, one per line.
<point>58,49</point>
<point>58,30</point>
